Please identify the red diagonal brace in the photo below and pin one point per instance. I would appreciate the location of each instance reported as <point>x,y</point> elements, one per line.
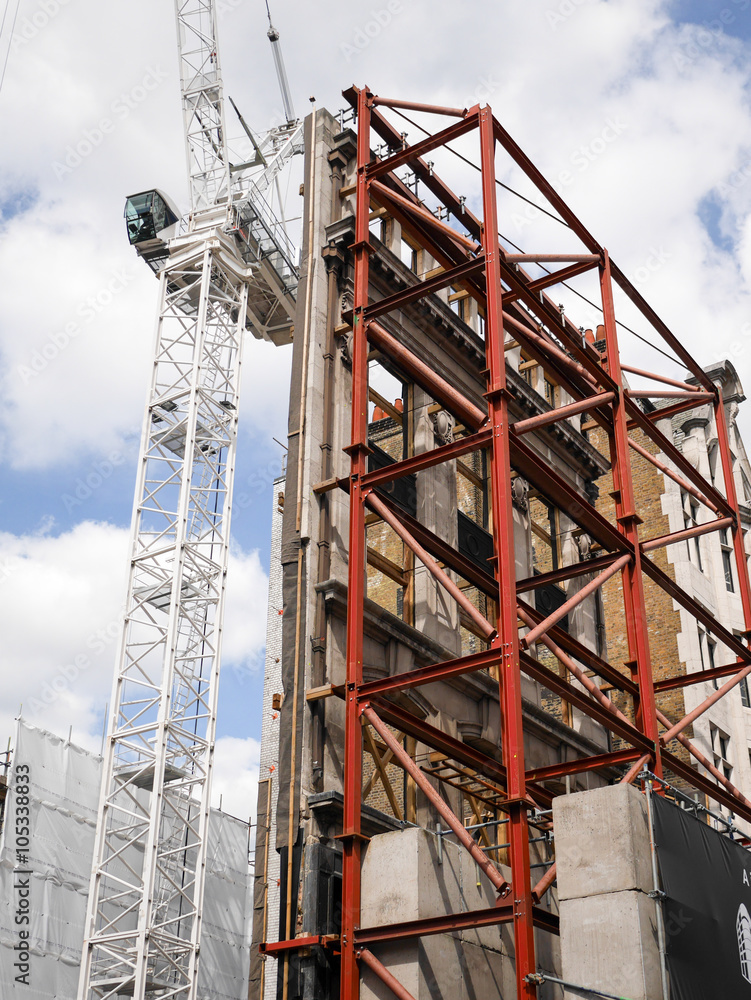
<point>464,838</point>
<point>575,601</point>
<point>384,975</point>
<point>423,374</point>
<point>380,508</point>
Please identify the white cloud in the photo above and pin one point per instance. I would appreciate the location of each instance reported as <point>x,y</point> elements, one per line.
<point>61,600</point>
<point>245,610</point>
<point>60,616</point>
<point>682,95</point>
<point>235,776</point>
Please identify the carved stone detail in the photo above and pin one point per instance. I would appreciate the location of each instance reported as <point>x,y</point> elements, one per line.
<point>520,494</point>
<point>443,427</point>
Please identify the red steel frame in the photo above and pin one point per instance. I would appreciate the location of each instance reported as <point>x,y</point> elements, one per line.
<point>497,281</point>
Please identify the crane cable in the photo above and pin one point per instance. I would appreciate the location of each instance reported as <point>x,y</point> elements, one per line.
<point>10,40</point>
<point>555,219</point>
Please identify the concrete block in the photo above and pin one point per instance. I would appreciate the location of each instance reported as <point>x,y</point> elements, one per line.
<point>609,942</point>
<point>403,880</point>
<point>602,842</point>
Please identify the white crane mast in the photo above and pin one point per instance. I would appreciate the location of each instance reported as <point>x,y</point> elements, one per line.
<point>203,104</point>
<point>144,910</point>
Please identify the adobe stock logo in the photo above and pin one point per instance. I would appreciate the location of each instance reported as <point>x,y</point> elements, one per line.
<point>743,929</point>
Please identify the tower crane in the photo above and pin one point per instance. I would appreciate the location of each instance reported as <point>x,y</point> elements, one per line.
<point>226,268</point>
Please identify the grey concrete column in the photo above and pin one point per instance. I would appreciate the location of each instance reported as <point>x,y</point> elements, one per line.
<point>608,921</point>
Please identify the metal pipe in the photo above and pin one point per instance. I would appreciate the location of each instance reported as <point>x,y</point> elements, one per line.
<point>680,536</point>
<point>552,258</point>
<point>657,895</point>
<point>705,762</point>
<point>548,345</point>
<point>469,414</point>
<point>380,508</point>
<point>569,410</point>
<point>390,195</point>
<point>659,378</point>
<point>444,811</point>
<point>667,394</point>
<point>683,483</point>
<point>545,882</point>
<point>635,769</point>
<point>433,109</point>
<point>575,601</point>
<point>384,975</point>
<point>706,704</point>
<point>543,977</point>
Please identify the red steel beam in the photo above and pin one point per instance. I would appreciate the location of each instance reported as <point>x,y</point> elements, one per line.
<point>685,680</point>
<point>669,394</point>
<point>739,549</point>
<point>444,924</point>
<point>273,947</point>
<point>552,258</point>
<point>658,378</point>
<point>426,145</point>
<point>700,709</point>
<point>677,458</point>
<point>565,573</point>
<point>637,632</point>
<point>422,288</point>
<point>427,459</point>
<point>591,243</point>
<point>580,652</point>
<point>390,135</point>
<point>352,837</point>
<point>665,412</point>
<point>564,496</point>
<point>507,640</point>
<point>443,671</point>
<point>704,784</point>
<point>600,762</point>
<point>527,334</point>
<point>452,922</point>
<point>697,610</point>
<point>386,196</point>
<point>554,278</point>
<point>575,696</point>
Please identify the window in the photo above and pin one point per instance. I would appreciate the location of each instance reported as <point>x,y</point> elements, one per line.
<point>528,371</point>
<point>727,560</point>
<point>745,700</point>
<point>721,751</point>
<point>551,392</point>
<point>544,525</point>
<point>691,520</point>
<point>712,457</point>
<point>707,651</point>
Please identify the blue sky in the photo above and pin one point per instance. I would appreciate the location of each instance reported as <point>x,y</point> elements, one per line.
<point>668,191</point>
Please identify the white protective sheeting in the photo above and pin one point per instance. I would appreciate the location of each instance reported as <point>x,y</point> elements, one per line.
<point>64,793</point>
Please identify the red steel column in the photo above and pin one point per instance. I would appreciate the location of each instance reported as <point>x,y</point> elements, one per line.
<point>507,640</point>
<point>628,522</point>
<point>352,832</point>
<point>723,442</point>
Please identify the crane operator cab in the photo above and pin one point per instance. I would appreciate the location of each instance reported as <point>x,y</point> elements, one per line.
<point>151,219</point>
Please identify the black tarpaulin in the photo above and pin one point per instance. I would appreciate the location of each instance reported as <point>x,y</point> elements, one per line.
<point>707,879</point>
